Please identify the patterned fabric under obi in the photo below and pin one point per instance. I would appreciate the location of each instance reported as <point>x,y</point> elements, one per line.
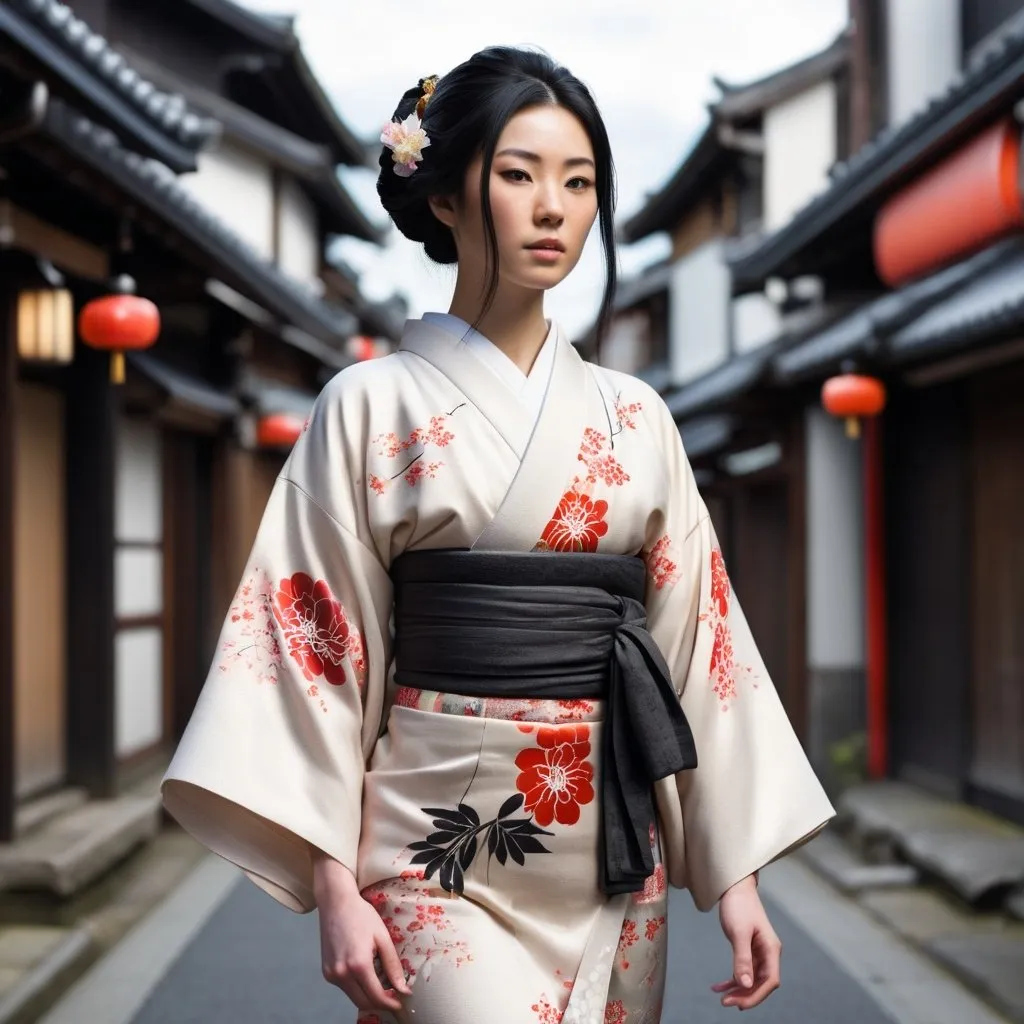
<point>553,627</point>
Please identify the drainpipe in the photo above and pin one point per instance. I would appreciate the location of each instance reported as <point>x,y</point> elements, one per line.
<point>866,86</point>
<point>875,617</point>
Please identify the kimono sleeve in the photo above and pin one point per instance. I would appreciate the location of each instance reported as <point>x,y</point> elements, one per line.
<point>271,762</point>
<point>753,795</point>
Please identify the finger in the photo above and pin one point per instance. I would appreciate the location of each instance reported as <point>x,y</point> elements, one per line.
<point>743,959</point>
<point>768,977</point>
<point>725,986</point>
<point>379,998</point>
<point>347,983</point>
<point>392,964</point>
<point>748,1000</point>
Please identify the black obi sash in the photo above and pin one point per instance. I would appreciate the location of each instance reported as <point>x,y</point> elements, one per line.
<point>553,626</point>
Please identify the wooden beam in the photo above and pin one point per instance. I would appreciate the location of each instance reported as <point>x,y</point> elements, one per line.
<point>864,66</point>
<point>187,576</point>
<point>8,380</point>
<point>796,466</point>
<point>23,230</point>
<point>91,425</point>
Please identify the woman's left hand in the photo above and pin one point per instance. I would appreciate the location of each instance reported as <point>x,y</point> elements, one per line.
<point>756,949</point>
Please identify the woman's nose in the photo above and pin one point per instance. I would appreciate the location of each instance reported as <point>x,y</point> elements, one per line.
<point>549,206</point>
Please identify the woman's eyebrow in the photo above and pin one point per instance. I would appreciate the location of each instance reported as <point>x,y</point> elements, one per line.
<point>525,154</point>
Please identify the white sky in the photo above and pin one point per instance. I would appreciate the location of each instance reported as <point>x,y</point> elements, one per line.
<point>649,64</point>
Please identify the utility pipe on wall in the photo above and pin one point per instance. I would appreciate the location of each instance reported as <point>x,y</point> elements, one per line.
<point>876,612</point>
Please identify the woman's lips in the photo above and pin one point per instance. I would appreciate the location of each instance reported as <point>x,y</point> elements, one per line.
<point>546,252</point>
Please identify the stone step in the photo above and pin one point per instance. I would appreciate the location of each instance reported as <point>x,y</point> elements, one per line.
<point>35,813</point>
<point>976,854</point>
<point>984,951</point>
<point>839,864</point>
<point>72,849</point>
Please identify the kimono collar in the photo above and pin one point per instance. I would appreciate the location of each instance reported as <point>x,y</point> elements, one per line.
<point>486,387</point>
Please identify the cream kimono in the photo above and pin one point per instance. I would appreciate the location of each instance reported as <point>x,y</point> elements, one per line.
<point>472,823</point>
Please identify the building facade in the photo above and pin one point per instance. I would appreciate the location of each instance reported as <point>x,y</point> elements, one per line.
<point>128,509</point>
<point>765,151</point>
<point>915,245</point>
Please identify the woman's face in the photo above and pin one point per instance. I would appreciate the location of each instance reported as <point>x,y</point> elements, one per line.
<point>543,200</point>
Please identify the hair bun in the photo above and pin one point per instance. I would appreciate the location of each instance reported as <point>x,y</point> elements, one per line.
<point>406,200</point>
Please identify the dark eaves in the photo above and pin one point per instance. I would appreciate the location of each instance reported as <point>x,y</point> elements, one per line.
<point>157,123</point>
<point>156,189</point>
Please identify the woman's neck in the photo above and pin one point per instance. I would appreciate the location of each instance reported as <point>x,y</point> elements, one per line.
<point>516,325</point>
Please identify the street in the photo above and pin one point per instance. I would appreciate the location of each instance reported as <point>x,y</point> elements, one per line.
<point>251,961</point>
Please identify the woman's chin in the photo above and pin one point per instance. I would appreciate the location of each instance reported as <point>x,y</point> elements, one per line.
<point>542,278</point>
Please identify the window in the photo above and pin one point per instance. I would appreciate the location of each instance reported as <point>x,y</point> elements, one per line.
<point>138,587</point>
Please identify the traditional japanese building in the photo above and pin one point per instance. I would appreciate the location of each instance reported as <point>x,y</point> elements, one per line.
<point>765,149</point>
<point>923,226</point>
<point>127,509</point>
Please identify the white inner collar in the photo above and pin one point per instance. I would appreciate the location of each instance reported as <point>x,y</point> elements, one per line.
<point>529,388</point>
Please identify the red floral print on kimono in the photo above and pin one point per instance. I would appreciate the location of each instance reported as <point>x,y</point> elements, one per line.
<point>555,776</point>
<point>316,630</point>
<point>579,520</point>
<point>301,616</point>
<point>724,669</point>
<point>390,445</point>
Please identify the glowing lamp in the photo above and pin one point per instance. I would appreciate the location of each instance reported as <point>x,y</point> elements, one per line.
<point>46,325</point>
<point>853,396</point>
<point>118,323</point>
<point>278,430</point>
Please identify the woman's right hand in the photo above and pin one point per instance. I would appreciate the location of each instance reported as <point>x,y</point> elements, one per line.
<point>351,936</point>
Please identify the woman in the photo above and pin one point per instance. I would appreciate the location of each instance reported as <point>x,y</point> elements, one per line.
<point>486,633</point>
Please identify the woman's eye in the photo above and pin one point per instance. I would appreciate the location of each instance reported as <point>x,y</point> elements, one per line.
<point>515,175</point>
<point>578,184</point>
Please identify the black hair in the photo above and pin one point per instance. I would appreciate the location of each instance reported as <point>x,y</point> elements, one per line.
<point>465,116</point>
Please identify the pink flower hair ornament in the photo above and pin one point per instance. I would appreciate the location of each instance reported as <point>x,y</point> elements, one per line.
<point>406,140</point>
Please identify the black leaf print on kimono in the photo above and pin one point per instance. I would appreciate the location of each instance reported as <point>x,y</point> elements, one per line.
<point>451,849</point>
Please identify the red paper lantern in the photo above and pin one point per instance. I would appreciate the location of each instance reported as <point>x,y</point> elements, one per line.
<point>118,322</point>
<point>362,347</point>
<point>853,396</point>
<point>960,206</point>
<point>279,430</point>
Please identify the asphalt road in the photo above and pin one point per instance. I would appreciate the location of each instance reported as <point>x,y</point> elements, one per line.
<point>255,963</point>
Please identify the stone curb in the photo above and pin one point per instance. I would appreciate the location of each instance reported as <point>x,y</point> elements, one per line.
<point>940,951</point>
<point>66,959</point>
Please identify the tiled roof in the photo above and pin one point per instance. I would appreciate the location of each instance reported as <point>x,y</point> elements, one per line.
<point>725,382</point>
<point>157,189</point>
<point>310,162</point>
<point>663,209</point>
<point>274,32</point>
<point>863,331</point>
<point>271,396</point>
<point>751,98</point>
<point>985,91</point>
<point>989,307</point>
<point>705,435</point>
<point>185,387</point>
<point>648,282</point>
<point>293,76</point>
<point>161,123</point>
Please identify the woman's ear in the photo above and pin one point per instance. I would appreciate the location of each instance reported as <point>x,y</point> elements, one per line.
<point>443,209</point>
